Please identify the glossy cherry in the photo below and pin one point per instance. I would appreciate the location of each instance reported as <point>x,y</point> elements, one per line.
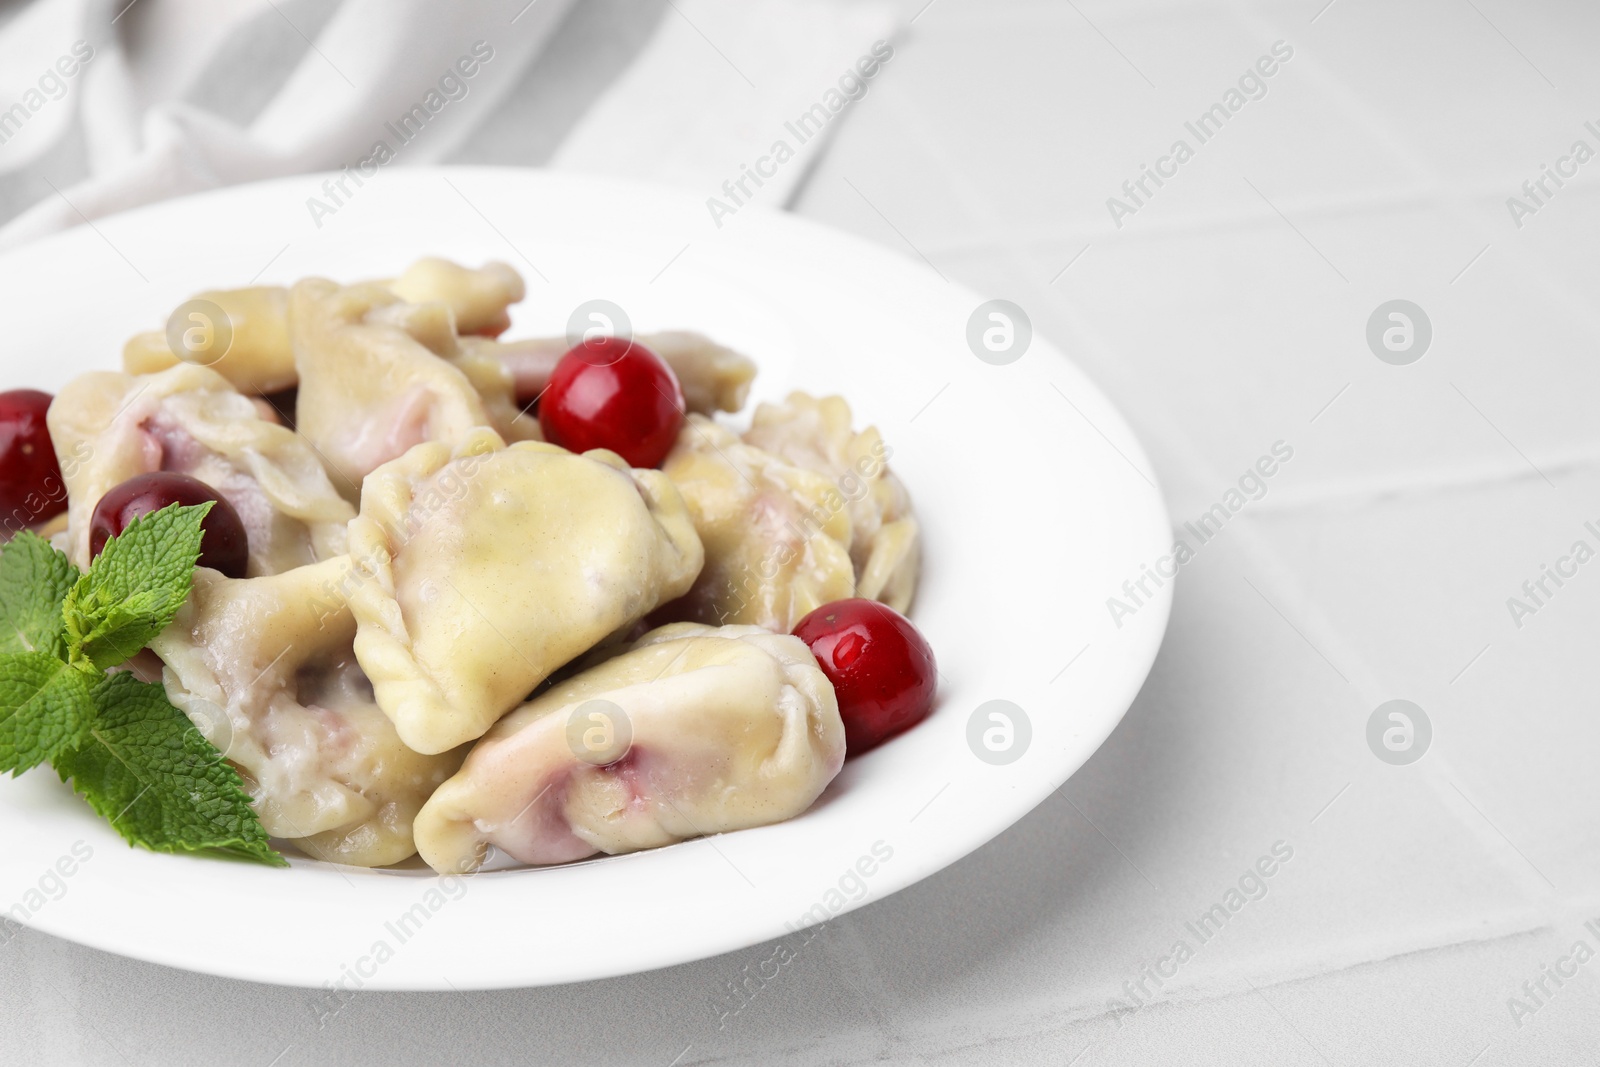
<point>31,489</point>
<point>881,668</point>
<point>613,393</point>
<point>224,545</point>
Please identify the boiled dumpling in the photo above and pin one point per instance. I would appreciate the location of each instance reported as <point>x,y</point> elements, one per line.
<point>815,433</point>
<point>477,358</point>
<point>478,299</point>
<point>108,427</point>
<point>258,360</point>
<point>433,326</point>
<point>776,535</point>
<point>695,730</point>
<point>265,669</point>
<point>372,379</point>
<point>492,566</point>
<point>713,378</point>
<point>529,362</point>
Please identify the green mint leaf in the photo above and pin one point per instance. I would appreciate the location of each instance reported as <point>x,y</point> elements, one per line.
<point>134,587</point>
<point>45,709</point>
<point>150,773</point>
<point>34,579</point>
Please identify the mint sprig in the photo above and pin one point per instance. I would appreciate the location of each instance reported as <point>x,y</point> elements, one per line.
<point>135,758</point>
<point>45,709</point>
<point>150,773</point>
<point>134,587</point>
<point>34,579</point>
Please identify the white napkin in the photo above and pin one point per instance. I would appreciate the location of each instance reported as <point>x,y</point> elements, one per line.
<point>716,89</point>
<point>167,97</point>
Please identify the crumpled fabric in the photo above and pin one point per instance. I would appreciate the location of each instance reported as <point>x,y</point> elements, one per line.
<point>107,105</point>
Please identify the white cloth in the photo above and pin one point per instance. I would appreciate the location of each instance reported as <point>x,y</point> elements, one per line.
<point>180,96</point>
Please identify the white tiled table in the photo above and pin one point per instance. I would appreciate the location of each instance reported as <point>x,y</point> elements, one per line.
<point>1226,315</point>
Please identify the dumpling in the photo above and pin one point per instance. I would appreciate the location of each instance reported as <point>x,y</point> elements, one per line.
<point>265,669</point>
<point>529,362</point>
<point>445,308</point>
<point>433,326</point>
<point>478,358</point>
<point>372,380</point>
<point>777,536</point>
<point>713,378</point>
<point>258,360</point>
<point>695,730</point>
<point>815,433</point>
<point>478,299</point>
<point>491,566</point>
<point>108,427</point>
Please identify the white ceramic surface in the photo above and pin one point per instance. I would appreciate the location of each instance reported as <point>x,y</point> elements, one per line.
<point>1036,501</point>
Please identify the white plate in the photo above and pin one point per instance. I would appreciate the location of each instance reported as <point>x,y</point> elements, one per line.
<point>1022,475</point>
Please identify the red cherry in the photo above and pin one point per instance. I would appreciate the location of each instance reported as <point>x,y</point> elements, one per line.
<point>613,393</point>
<point>881,668</point>
<point>223,545</point>
<point>31,489</point>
